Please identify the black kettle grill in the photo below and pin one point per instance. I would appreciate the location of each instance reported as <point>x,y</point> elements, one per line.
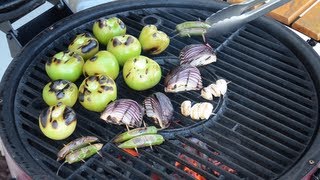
<point>266,127</point>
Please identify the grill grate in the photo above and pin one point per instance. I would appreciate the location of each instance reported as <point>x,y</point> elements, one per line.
<point>262,127</point>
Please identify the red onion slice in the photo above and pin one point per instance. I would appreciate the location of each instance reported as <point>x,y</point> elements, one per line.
<point>123,111</point>
<point>183,78</point>
<point>158,107</point>
<point>197,55</point>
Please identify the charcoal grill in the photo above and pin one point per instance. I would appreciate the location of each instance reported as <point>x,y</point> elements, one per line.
<point>266,127</point>
<point>11,9</point>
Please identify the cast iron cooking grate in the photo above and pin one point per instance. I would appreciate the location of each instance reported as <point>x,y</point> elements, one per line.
<point>262,127</point>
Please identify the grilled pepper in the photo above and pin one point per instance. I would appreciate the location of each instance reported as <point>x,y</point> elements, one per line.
<point>74,145</point>
<point>134,133</point>
<point>143,141</point>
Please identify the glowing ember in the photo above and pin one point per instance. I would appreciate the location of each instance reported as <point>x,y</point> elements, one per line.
<point>188,170</point>
<point>197,164</point>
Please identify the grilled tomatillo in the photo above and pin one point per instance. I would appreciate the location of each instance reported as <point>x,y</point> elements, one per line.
<point>141,73</point>
<point>58,122</point>
<point>65,65</point>
<point>124,47</point>
<point>96,92</point>
<point>105,29</point>
<point>60,91</point>
<point>85,45</point>
<point>102,63</point>
<point>152,40</point>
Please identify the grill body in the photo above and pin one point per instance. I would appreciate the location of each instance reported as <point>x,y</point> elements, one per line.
<point>12,9</point>
<point>265,127</point>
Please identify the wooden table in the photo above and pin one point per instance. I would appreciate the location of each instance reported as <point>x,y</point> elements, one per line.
<point>301,15</point>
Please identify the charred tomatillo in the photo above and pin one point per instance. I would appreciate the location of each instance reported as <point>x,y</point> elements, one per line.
<point>96,92</point>
<point>85,45</point>
<point>105,29</point>
<point>152,40</point>
<point>65,65</point>
<point>58,122</point>
<point>124,47</point>
<point>141,73</point>
<point>102,63</point>
<point>60,91</point>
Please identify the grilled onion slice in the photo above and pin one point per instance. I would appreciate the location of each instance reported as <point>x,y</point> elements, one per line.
<point>123,111</point>
<point>197,55</point>
<point>158,107</point>
<point>183,78</point>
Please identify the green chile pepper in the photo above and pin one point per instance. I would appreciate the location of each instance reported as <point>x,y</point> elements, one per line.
<point>192,24</point>
<point>83,153</point>
<point>143,141</point>
<point>135,132</point>
<point>74,145</point>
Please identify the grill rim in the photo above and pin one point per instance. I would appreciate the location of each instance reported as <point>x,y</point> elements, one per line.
<point>20,64</point>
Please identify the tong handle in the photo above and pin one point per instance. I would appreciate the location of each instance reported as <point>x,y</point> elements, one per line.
<point>232,10</point>
<point>235,16</point>
<point>264,9</point>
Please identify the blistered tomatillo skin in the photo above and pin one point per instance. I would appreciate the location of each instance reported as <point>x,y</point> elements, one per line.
<point>57,122</point>
<point>152,40</point>
<point>103,63</point>
<point>60,91</point>
<point>141,73</point>
<point>96,92</point>
<point>85,45</point>
<point>124,47</point>
<point>105,29</point>
<point>65,65</point>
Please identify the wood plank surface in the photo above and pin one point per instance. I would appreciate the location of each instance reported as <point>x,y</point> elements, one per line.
<point>291,11</point>
<point>309,23</point>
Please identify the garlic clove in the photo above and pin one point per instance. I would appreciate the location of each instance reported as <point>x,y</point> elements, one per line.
<point>186,108</point>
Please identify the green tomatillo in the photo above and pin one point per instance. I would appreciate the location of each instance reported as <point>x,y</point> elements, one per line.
<point>141,73</point>
<point>85,45</point>
<point>65,65</point>
<point>152,40</point>
<point>60,91</point>
<point>96,92</point>
<point>58,122</point>
<point>124,47</point>
<point>102,63</point>
<point>105,29</point>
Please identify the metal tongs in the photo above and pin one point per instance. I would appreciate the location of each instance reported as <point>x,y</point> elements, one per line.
<point>228,19</point>
<point>235,16</point>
